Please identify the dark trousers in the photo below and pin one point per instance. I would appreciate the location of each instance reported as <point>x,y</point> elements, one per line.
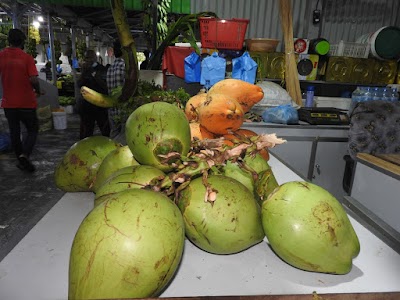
<point>90,116</point>
<point>29,118</point>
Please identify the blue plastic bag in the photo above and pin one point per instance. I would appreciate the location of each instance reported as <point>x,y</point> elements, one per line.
<point>192,65</point>
<point>5,142</point>
<point>212,70</point>
<point>48,53</point>
<point>75,63</point>
<point>282,114</point>
<point>244,68</point>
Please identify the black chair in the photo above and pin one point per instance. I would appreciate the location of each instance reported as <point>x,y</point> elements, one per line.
<point>374,128</point>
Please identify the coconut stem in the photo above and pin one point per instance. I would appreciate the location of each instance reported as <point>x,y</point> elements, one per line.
<point>210,155</point>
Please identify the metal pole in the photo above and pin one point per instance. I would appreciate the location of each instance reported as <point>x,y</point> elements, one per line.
<point>87,39</point>
<point>53,56</point>
<point>155,18</point>
<point>74,75</point>
<point>15,15</point>
<point>99,57</point>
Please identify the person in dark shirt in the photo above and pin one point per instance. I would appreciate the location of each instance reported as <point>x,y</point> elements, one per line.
<point>93,76</point>
<point>144,64</point>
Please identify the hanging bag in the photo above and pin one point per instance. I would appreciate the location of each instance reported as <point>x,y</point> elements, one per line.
<point>5,142</point>
<point>244,68</point>
<point>192,65</point>
<point>212,70</point>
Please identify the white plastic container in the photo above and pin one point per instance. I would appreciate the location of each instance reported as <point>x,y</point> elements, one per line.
<point>59,120</point>
<point>350,49</point>
<point>69,109</point>
<point>152,75</point>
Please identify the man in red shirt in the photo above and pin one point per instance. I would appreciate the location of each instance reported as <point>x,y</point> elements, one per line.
<point>19,78</point>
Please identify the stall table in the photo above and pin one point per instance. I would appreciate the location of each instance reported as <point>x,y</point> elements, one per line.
<point>37,268</point>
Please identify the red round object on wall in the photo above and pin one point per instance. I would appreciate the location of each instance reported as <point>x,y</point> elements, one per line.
<point>300,46</point>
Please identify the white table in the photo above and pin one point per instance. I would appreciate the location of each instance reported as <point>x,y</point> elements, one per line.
<point>37,268</point>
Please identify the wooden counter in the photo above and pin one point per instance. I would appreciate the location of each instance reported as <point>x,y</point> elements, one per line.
<point>389,163</point>
<point>393,158</point>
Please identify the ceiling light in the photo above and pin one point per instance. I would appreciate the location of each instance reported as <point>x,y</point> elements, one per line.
<point>40,19</point>
<point>97,53</point>
<point>36,24</point>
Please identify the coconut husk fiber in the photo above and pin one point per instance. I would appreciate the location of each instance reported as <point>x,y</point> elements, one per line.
<point>291,75</point>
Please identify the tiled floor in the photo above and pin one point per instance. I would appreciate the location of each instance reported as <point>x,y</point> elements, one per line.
<point>25,198</point>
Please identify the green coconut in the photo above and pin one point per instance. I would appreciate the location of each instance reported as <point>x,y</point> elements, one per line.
<point>135,177</point>
<point>115,160</point>
<point>157,128</point>
<point>78,168</point>
<point>309,229</point>
<point>256,162</point>
<point>228,224</point>
<point>265,184</point>
<point>129,246</point>
<point>248,171</point>
<point>125,170</point>
<point>233,170</point>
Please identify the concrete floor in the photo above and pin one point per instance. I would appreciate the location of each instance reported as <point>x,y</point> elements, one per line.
<point>25,198</point>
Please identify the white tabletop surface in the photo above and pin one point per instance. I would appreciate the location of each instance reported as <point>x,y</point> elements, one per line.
<point>37,268</point>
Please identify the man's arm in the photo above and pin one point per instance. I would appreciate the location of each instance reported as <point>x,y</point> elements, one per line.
<point>35,84</point>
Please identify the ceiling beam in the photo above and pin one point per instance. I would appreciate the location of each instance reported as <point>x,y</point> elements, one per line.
<point>100,12</point>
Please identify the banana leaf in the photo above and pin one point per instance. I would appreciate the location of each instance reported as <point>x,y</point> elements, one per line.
<point>183,26</point>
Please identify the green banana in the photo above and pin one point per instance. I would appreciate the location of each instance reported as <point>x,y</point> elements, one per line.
<point>98,99</point>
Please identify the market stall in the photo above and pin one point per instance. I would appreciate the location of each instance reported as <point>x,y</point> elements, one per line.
<point>258,270</point>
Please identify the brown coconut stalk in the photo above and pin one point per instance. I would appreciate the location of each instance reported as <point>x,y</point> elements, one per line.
<point>205,155</point>
<point>291,75</point>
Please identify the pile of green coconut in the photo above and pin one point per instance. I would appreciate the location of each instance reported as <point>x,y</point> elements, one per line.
<point>162,187</point>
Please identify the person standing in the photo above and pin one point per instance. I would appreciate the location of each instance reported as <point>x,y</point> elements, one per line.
<point>115,78</point>
<point>48,71</point>
<point>143,65</point>
<point>93,76</point>
<point>19,78</point>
